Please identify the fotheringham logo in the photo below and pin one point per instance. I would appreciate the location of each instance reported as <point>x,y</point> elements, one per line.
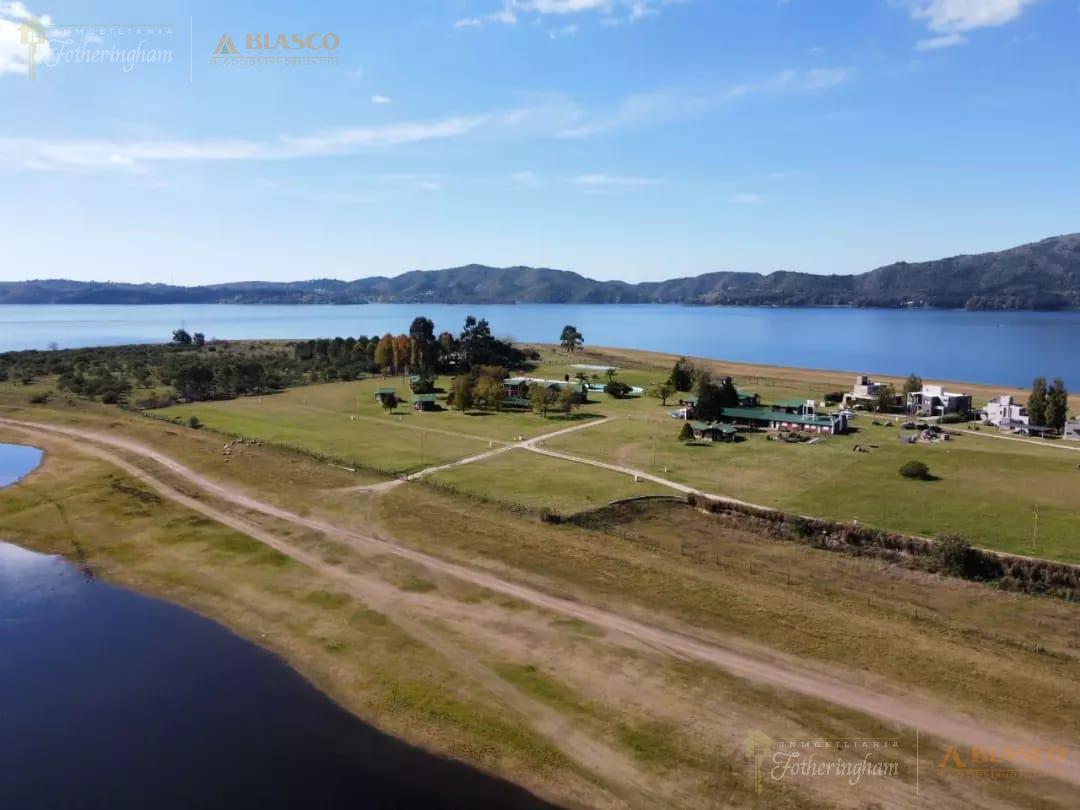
<point>61,44</point>
<point>848,760</point>
<point>277,49</point>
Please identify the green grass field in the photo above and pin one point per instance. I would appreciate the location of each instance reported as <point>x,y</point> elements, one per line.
<point>345,421</point>
<point>987,488</point>
<point>537,482</point>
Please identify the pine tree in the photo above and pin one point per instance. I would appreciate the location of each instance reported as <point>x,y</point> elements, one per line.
<point>1057,405</point>
<point>1037,402</point>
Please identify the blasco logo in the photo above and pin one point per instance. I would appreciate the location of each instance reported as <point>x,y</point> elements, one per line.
<point>1002,763</point>
<point>277,49</point>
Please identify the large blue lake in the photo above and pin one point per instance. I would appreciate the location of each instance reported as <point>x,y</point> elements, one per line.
<point>991,347</point>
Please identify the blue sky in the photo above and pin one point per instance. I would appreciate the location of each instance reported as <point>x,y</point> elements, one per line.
<point>636,139</point>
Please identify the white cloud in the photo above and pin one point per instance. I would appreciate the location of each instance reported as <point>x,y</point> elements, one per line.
<point>14,55</point>
<point>949,20</point>
<point>376,99</point>
<point>657,108</point>
<point>793,81</point>
<point>540,120</point>
<point>423,182</point>
<point>565,31</point>
<point>607,183</point>
<point>43,154</point>
<point>746,198</point>
<point>526,178</point>
<point>943,41</point>
<point>611,11</point>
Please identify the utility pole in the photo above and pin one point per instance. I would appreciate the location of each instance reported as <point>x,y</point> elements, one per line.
<point>1035,530</point>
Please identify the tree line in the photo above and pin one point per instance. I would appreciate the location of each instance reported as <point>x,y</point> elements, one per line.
<point>198,369</point>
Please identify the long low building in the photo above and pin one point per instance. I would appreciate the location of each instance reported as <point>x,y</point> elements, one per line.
<point>788,415</point>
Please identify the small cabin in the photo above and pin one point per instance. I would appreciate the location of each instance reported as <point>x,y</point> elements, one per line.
<point>713,432</point>
<point>424,402</point>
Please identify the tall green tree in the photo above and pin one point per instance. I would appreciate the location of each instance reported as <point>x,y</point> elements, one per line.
<point>462,392</point>
<point>423,348</point>
<point>1037,402</point>
<point>885,399</point>
<point>729,394</point>
<point>566,400</point>
<point>682,375</point>
<point>570,338</point>
<point>661,391</point>
<point>476,341</point>
<point>912,384</point>
<point>1057,405</point>
<point>181,337</point>
<point>384,352</point>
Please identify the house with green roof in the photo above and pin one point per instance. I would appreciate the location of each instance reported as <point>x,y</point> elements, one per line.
<point>714,431</point>
<point>425,402</point>
<point>788,414</point>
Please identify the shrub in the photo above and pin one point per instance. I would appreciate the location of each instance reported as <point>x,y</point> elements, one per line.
<point>616,389</point>
<point>39,399</point>
<point>687,433</point>
<point>955,418</point>
<point>915,470</point>
<point>952,555</point>
<point>194,423</point>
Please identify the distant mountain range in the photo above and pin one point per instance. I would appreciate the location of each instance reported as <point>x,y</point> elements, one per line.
<point>1042,275</point>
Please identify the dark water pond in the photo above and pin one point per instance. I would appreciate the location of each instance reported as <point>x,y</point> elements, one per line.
<point>115,701</point>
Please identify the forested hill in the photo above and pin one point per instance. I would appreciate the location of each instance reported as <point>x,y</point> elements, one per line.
<point>1042,275</point>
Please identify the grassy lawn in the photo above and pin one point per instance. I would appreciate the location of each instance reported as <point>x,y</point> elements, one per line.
<point>528,479</point>
<point>987,488</point>
<point>344,420</point>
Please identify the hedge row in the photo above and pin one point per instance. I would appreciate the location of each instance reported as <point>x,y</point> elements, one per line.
<point>948,555</point>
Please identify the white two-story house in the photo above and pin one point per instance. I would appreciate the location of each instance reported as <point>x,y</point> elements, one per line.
<point>1005,412</point>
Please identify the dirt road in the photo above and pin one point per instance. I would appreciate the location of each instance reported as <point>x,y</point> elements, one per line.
<point>527,444</point>
<point>911,710</point>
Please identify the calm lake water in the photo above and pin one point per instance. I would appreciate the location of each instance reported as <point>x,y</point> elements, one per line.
<point>113,701</point>
<point>992,347</point>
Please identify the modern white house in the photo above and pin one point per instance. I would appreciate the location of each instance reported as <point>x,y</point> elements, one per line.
<point>865,390</point>
<point>1005,412</point>
<point>1072,430</point>
<point>934,400</point>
